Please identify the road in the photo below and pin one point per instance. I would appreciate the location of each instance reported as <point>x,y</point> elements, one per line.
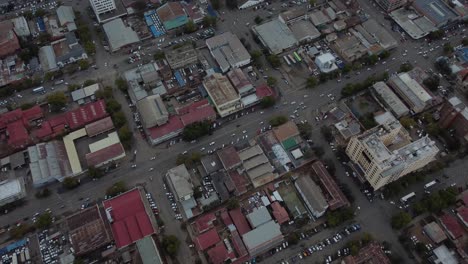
<point>379,226</point>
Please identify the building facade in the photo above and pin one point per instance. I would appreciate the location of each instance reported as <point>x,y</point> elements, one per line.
<point>223,95</point>
<point>385,153</point>
<point>102,6</point>
<point>390,5</point>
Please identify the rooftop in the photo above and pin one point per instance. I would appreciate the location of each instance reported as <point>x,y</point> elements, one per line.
<point>207,239</point>
<point>304,30</point>
<point>219,254</point>
<point>129,220</point>
<point>211,163</point>
<point>99,126</point>
<point>265,233</point>
<point>119,35</point>
<point>390,99</point>
<point>434,232</point>
<point>414,91</point>
<point>444,255</point>
<point>204,222</point>
<point>220,89</point>
<point>416,26</point>
<point>173,126</point>
<point>227,50</point>
<point>452,226</point>
<point>172,15</point>
<point>11,190</point>
<point>153,111</point>
<point>258,217</point>
<point>436,10</point>
<point>382,36</point>
<point>240,221</point>
<point>229,157</point>
<point>311,193</point>
<point>336,197</point>
<point>149,252</point>
<point>275,35</point>
<point>279,213</point>
<point>180,178</point>
<point>286,131</point>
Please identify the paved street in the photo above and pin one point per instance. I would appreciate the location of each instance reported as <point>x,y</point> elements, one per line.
<point>373,217</point>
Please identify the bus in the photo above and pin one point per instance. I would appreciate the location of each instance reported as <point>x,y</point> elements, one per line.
<point>296,56</point>
<point>291,58</point>
<point>38,90</point>
<point>287,61</point>
<point>406,198</point>
<point>429,185</point>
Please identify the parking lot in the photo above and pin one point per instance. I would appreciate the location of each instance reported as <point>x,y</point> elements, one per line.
<point>52,246</point>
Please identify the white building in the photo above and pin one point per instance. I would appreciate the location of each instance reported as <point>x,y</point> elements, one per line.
<point>326,62</point>
<point>12,190</point>
<point>102,6</point>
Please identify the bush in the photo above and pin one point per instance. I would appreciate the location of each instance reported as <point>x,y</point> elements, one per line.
<point>258,20</point>
<point>407,122</point>
<point>368,121</point>
<point>44,221</point>
<point>196,130</point>
<point>271,81</point>
<point>400,220</point>
<point>406,67</point>
<point>171,245</point>
<point>311,82</point>
<point>57,101</point>
<point>337,217</point>
<point>278,120</point>
<point>274,61</point>
<point>117,188</point>
<point>70,183</point>
<point>267,101</point>
<point>305,130</point>
<point>94,172</point>
<point>327,133</point>
<point>232,204</point>
<point>122,84</point>
<point>432,82</point>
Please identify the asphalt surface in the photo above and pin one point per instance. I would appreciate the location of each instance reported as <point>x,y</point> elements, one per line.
<point>379,227</point>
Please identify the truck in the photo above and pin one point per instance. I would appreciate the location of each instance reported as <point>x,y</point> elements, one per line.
<point>407,197</point>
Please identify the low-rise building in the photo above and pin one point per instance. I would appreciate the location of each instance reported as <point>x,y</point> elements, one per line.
<point>12,190</point>
<point>288,135</point>
<point>153,111</point>
<point>434,232</point>
<point>443,255</point>
<point>61,52</point>
<point>312,196</point>
<point>262,238</point>
<point>229,158</point>
<point>257,166</point>
<point>411,22</point>
<point>350,48</point>
<point>411,91</point>
<point>389,99</point>
<point>372,253</point>
<point>178,179</point>
<point>223,95</point>
<point>172,15</point>
<point>454,115</point>
<point>240,81</point>
<point>9,42</point>
<point>21,27</point>
<point>334,195</point>
<point>275,36</point>
<point>86,94</point>
<point>119,35</point>
<point>228,51</point>
<point>304,31</point>
<point>385,153</point>
<point>181,57</point>
<point>66,17</point>
<point>258,217</point>
<point>326,62</point>
<point>438,11</point>
<point>390,5</point>
<point>105,151</point>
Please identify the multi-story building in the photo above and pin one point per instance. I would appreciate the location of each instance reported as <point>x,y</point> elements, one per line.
<point>454,115</point>
<point>390,5</point>
<point>386,153</point>
<point>102,6</point>
<point>223,95</point>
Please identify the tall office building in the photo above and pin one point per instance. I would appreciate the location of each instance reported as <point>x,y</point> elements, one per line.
<point>102,6</point>
<point>386,153</point>
<point>390,5</point>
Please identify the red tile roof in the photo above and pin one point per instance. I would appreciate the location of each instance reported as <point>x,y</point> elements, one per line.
<point>226,218</point>
<point>99,126</point>
<point>130,221</point>
<point>279,213</point>
<point>198,114</point>
<point>240,221</point>
<point>10,117</point>
<point>189,107</point>
<point>219,254</point>
<point>229,157</point>
<point>173,125</point>
<point>239,246</point>
<point>452,226</point>
<point>239,181</point>
<point>207,239</point>
<point>18,136</point>
<point>9,42</point>
<point>205,222</point>
<point>33,113</point>
<point>105,154</point>
<point>44,132</point>
<point>335,197</point>
<point>86,114</point>
<point>462,213</point>
<point>464,197</point>
<point>263,91</point>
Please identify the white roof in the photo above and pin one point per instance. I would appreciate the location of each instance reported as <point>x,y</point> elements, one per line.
<point>326,57</point>
<point>262,234</point>
<point>297,153</point>
<point>69,141</point>
<point>10,188</point>
<point>275,35</point>
<point>111,139</point>
<point>259,216</point>
<point>119,35</point>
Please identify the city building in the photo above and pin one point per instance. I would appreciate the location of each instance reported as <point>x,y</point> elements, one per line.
<point>240,81</point>
<point>275,36</point>
<point>443,255</point>
<point>262,238</point>
<point>61,52</point>
<point>333,194</point>
<point>21,27</point>
<point>129,218</point>
<point>48,163</point>
<point>350,48</point>
<point>172,15</point>
<point>312,196</point>
<point>326,62</point>
<point>370,254</point>
<point>292,15</point>
<point>85,94</point>
<point>149,252</point>
<point>228,51</point>
<point>389,99</point>
<point>66,17</point>
<point>87,230</point>
<point>434,232</point>
<point>178,179</point>
<point>437,11</point>
<point>204,223</point>
<point>198,111</point>
<point>374,36</point>
<point>99,127</point>
<point>415,25</point>
<point>171,129</point>
<point>102,6</point>
<point>220,254</point>
<point>12,190</point>
<point>454,115</point>
<point>279,213</point>
<point>105,151</point>
<point>385,153</point>
<point>451,225</point>
<point>9,42</point>
<point>390,5</point>
<point>222,94</point>
<point>229,157</point>
<point>181,57</point>
<point>258,217</point>
<point>119,35</point>
<point>206,239</point>
<point>153,111</point>
<point>304,31</point>
<point>257,166</point>
<point>288,135</point>
<point>411,91</point>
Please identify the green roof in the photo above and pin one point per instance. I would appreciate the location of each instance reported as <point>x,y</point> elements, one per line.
<point>289,143</point>
<point>176,22</point>
<point>148,251</point>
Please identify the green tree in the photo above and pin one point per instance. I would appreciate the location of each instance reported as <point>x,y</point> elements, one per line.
<point>256,56</point>
<point>44,221</point>
<point>112,106</point>
<point>89,82</point>
<point>26,106</point>
<point>70,183</point>
<point>433,129</point>
<point>94,172</point>
<point>116,188</point>
<point>271,81</point>
<point>311,82</point>
<point>278,120</point>
<point>305,130</point>
<point>196,130</point>
<point>122,84</point>
<point>232,203</point>
<point>44,38</point>
<point>78,261</point>
<point>40,12</point>
<point>119,119</point>
<point>57,101</point>
<point>209,21</point>
<point>125,136</point>
<point>312,2</point>
<point>400,220</point>
<point>293,238</point>
<point>83,64</point>
<point>171,245</point>
<point>432,82</point>
<point>337,217</point>
<point>368,120</point>
<point>267,101</point>
<point>327,133</point>
<point>258,20</point>
<point>274,61</point>
<point>406,67</point>
<point>448,48</point>
<point>407,122</point>
<point>436,35</point>
<point>231,4</point>
<point>190,27</point>
<point>89,47</point>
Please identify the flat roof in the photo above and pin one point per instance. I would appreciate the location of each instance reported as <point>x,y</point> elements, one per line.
<point>275,35</point>
<point>111,139</point>
<point>99,126</point>
<point>69,141</point>
<point>240,221</point>
<point>268,232</point>
<point>286,131</point>
<point>336,197</point>
<point>384,37</point>
<point>413,24</point>
<point>180,178</point>
<point>153,111</point>
<point>304,29</point>
<point>149,252</point>
<point>130,222</point>
<point>258,216</point>
<point>119,35</point>
<point>436,10</point>
<point>207,239</point>
<point>227,50</point>
<point>390,99</point>
<point>229,157</point>
<point>11,188</point>
<point>311,193</point>
<point>444,255</point>
<point>220,89</point>
<point>104,155</point>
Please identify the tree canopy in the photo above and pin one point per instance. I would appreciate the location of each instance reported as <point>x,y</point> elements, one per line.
<point>171,245</point>
<point>400,220</point>
<point>267,101</point>
<point>278,120</point>
<point>311,82</point>
<point>70,183</point>
<point>196,130</point>
<point>116,188</point>
<point>57,101</point>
